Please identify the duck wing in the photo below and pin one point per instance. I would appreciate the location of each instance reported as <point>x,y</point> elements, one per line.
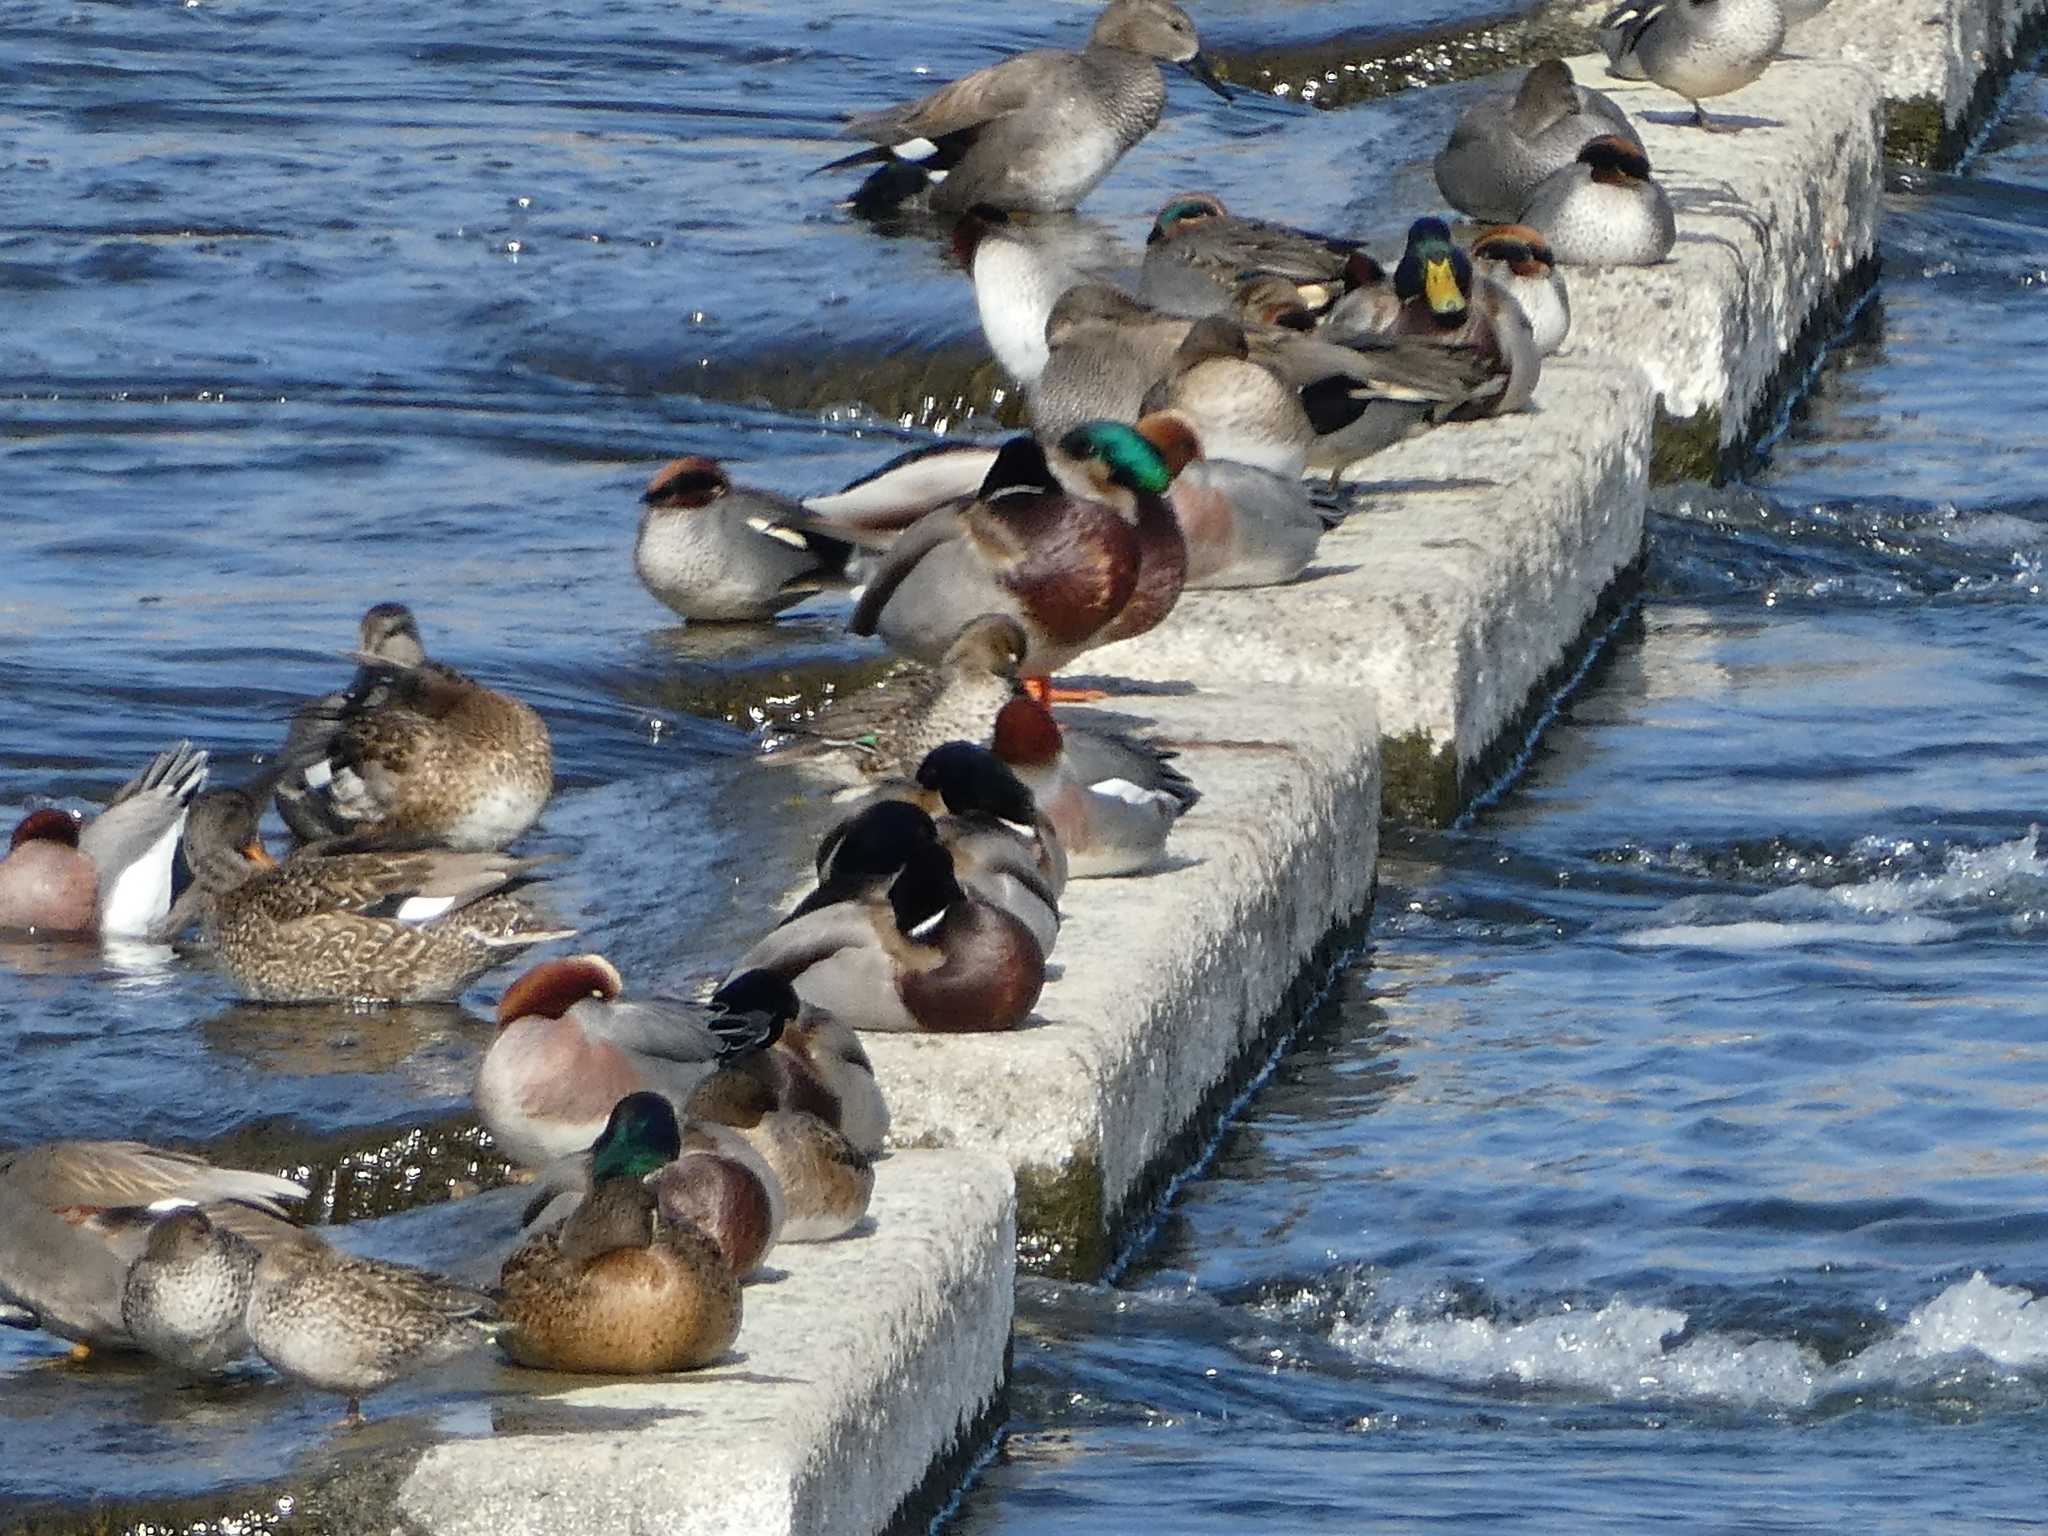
<point>912,546</point>
<point>133,842</point>
<point>969,103</point>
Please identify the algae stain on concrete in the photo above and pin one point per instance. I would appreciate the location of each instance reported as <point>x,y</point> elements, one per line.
<point>1062,1226</point>
<point>1419,784</point>
<point>1686,449</point>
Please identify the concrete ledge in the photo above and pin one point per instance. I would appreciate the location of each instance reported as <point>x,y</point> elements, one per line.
<point>1166,985</point>
<point>874,1358</point>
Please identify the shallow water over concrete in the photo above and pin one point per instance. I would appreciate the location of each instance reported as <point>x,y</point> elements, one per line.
<point>1676,1153</point>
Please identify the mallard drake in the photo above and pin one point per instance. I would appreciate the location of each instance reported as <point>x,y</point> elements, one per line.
<point>997,862</point>
<point>615,1291</point>
<point>110,875</point>
<point>1244,526</point>
<point>826,1182</point>
<point>1198,255</point>
<point>422,755</point>
<point>1503,146</point>
<point>1698,48</point>
<point>351,1325</point>
<point>703,1174</point>
<point>1111,822</point>
<point>1519,261</point>
<point>1037,131</point>
<point>1444,303</point>
<point>920,954</point>
<point>371,927</point>
<point>570,1046</point>
<point>886,730</point>
<point>1063,563</point>
<point>76,1215</point>
<point>714,551</point>
<point>1604,209</point>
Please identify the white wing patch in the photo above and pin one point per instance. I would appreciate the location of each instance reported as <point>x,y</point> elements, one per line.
<point>1129,793</point>
<point>423,909</point>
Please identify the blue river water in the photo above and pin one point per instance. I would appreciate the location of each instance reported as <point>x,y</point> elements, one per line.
<point>1675,1156</point>
<point>1674,1152</point>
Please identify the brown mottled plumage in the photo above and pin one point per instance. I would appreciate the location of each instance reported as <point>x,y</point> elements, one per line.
<point>390,927</point>
<point>612,1292</point>
<point>826,1183</point>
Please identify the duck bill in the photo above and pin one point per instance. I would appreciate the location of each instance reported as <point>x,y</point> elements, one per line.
<point>1440,287</point>
<point>1202,70</point>
<point>257,854</point>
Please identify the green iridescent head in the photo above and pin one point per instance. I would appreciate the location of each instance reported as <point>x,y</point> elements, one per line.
<point>1131,462</point>
<point>641,1136</point>
<point>1188,209</point>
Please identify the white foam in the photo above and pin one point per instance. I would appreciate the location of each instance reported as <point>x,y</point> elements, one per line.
<point>1768,935</point>
<point>1623,1352</point>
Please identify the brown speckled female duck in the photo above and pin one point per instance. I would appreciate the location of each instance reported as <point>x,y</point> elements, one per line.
<point>375,927</point>
<point>422,755</point>
<point>615,1291</point>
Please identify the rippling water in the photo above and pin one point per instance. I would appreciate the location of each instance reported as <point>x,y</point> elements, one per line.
<point>1679,1154</point>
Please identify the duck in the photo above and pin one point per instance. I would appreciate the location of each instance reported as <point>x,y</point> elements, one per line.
<point>75,1216</point>
<point>361,927</point>
<point>1198,256</point>
<point>715,552</point>
<point>991,859</point>
<point>421,755</point>
<point>617,1291</point>
<point>825,1181</point>
<point>1038,131</point>
<point>1519,261</point>
<point>388,633</point>
<point>1622,64</point>
<point>111,875</point>
<point>1503,146</point>
<point>886,730</point>
<point>1697,48</point>
<point>1110,823</point>
<point>919,954</point>
<point>1604,209</point>
<point>820,1066</point>
<point>571,1045</point>
<point>187,1293</point>
<point>703,1174</point>
<point>339,1323</point>
<point>1063,563</point>
<point>1444,303</point>
<point>1245,525</point>
<point>1104,352</point>
<point>1020,268</point>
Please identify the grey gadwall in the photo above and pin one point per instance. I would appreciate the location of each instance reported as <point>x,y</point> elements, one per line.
<point>1038,131</point>
<point>111,875</point>
<point>1503,146</point>
<point>76,1215</point>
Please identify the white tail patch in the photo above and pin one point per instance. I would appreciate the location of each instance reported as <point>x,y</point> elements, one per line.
<point>915,149</point>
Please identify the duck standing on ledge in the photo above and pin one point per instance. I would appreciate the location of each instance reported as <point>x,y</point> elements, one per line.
<point>1036,132</point>
<point>1698,48</point>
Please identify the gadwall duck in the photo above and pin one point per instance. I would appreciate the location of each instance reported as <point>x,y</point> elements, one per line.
<point>422,755</point>
<point>718,552</point>
<point>339,1323</point>
<point>75,1216</point>
<point>110,875</point>
<point>616,1291</point>
<point>1112,822</point>
<point>920,954</point>
<point>1064,563</point>
<point>1038,131</point>
<point>1698,48</point>
<point>1604,209</point>
<point>1503,146</point>
<point>570,1045</point>
<point>1519,261</point>
<point>886,730</point>
<point>367,927</point>
<point>387,633</point>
